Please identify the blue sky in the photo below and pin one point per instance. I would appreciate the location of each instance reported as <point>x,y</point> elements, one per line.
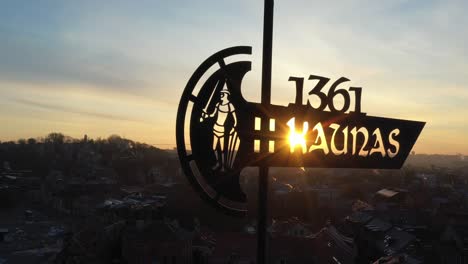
<point>101,67</point>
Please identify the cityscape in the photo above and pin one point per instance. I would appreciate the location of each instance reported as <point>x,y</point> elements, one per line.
<point>113,200</point>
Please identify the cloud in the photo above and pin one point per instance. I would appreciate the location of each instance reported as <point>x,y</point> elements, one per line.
<point>64,109</point>
<point>45,62</point>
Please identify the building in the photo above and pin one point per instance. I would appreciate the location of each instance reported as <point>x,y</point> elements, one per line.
<point>159,242</point>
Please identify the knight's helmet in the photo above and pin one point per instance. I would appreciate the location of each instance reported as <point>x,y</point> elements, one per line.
<point>225,90</point>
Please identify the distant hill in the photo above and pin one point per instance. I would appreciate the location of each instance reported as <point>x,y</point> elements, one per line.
<point>437,160</point>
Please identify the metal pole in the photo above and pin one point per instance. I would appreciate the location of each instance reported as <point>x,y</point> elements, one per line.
<point>262,236</point>
<point>262,216</point>
<point>267,52</point>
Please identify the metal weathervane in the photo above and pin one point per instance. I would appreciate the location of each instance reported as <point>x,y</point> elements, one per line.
<point>226,133</point>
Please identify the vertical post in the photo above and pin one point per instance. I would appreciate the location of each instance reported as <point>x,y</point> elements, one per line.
<point>262,216</point>
<point>267,52</point>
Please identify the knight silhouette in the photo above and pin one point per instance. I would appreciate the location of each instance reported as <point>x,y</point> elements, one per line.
<point>223,109</point>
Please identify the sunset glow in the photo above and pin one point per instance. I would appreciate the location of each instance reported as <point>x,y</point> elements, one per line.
<point>90,68</point>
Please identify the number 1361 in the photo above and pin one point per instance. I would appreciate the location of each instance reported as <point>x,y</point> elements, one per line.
<point>327,99</point>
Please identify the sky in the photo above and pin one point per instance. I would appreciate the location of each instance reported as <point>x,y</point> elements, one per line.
<point>120,67</point>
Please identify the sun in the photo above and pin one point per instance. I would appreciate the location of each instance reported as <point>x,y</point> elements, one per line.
<point>295,139</point>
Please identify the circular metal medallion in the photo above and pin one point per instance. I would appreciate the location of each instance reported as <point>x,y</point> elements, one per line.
<point>207,129</point>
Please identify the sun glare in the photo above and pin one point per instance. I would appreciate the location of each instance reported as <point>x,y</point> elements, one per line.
<point>296,139</point>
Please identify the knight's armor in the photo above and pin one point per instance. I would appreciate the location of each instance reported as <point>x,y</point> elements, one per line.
<point>223,113</point>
